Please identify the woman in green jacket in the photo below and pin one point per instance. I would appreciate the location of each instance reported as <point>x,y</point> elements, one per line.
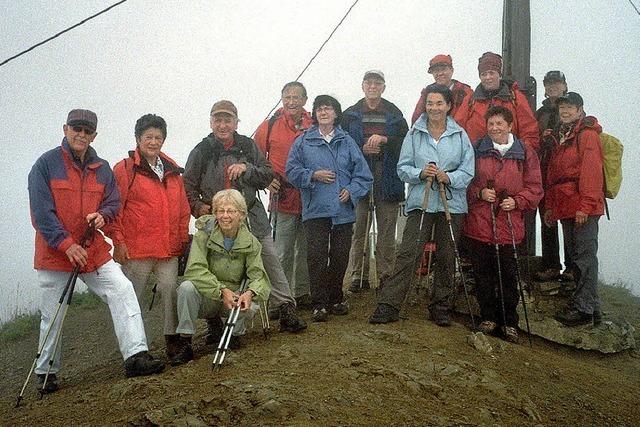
<point>223,253</point>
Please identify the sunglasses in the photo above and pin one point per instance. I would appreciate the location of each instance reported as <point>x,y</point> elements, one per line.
<point>87,130</point>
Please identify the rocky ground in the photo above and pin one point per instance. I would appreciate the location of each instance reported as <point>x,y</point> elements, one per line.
<point>343,372</point>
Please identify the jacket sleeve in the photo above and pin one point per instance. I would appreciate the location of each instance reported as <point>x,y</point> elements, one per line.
<point>474,188</point>
<point>417,112</point>
<point>463,174</point>
<point>407,170</point>
<point>361,178</point>
<point>531,194</point>
<point>197,270</point>
<point>114,230</point>
<point>43,209</point>
<point>462,115</point>
<point>394,142</point>
<point>527,125</point>
<point>261,136</point>
<point>259,174</point>
<point>110,204</point>
<point>185,214</point>
<point>591,180</point>
<point>258,279</point>
<point>192,180</point>
<point>297,173</point>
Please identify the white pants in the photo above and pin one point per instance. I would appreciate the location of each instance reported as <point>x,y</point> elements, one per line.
<point>166,272</point>
<point>191,306</point>
<point>112,287</point>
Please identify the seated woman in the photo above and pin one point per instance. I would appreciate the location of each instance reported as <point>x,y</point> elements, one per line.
<point>507,180</point>
<point>223,253</point>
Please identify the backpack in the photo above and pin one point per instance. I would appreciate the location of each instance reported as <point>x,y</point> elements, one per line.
<point>612,150</point>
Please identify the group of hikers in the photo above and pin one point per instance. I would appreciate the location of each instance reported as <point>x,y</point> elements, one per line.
<point>476,163</point>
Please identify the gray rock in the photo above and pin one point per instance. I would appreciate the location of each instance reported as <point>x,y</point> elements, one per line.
<point>480,342</point>
<point>387,335</point>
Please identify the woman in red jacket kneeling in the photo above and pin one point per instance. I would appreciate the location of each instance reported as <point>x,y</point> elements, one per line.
<point>507,181</point>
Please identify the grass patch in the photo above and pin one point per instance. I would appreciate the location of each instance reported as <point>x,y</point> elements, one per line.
<point>19,327</point>
<point>22,325</point>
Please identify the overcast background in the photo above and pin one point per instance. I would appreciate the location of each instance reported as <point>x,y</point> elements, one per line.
<point>175,58</point>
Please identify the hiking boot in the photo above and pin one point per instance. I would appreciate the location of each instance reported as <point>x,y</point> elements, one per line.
<point>52,383</point>
<point>385,313</point>
<point>548,275</point>
<point>214,330</point>
<point>236,342</point>
<point>289,320</point>
<point>141,364</point>
<point>511,334</point>
<point>172,344</point>
<point>355,287</point>
<point>274,314</point>
<point>597,317</point>
<point>184,353</point>
<point>572,317</point>
<point>487,327</point>
<point>567,276</point>
<point>320,315</point>
<point>339,309</point>
<point>440,317</point>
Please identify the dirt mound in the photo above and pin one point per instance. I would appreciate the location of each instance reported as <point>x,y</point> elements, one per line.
<point>343,372</point>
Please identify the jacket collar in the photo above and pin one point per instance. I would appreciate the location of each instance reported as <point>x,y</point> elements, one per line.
<point>170,166</point>
<point>314,136</point>
<point>90,158</point>
<point>503,92</point>
<point>485,149</point>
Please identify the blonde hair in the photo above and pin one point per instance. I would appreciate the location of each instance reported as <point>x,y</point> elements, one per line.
<point>231,196</point>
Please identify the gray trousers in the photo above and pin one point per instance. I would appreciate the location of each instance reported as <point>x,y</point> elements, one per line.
<point>291,245</point>
<point>397,285</point>
<point>385,250</point>
<point>166,273</point>
<point>280,291</point>
<point>582,245</point>
<point>192,306</point>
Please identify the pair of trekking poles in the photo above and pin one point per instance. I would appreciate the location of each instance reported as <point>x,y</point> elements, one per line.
<point>68,293</point>
<point>420,241</point>
<point>503,195</point>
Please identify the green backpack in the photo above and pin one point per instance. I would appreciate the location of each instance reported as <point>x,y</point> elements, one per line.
<point>612,150</point>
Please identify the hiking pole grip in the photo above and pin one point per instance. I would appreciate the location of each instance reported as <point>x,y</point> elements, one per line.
<point>443,197</point>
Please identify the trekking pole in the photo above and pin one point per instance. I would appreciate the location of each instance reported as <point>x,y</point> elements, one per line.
<point>264,319</point>
<point>230,324</point>
<point>490,186</point>
<point>515,255</point>
<point>419,239</point>
<point>366,237</point>
<point>153,295</point>
<point>276,199</point>
<point>458,267</point>
<point>374,242</point>
<point>70,285</point>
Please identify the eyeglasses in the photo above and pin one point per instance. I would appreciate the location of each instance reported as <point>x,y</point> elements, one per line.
<point>324,108</point>
<point>294,98</point>
<point>84,129</point>
<point>226,211</point>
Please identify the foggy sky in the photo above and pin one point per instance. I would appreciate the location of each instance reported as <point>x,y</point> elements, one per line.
<point>176,58</point>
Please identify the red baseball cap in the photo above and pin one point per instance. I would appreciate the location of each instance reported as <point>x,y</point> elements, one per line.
<point>440,59</point>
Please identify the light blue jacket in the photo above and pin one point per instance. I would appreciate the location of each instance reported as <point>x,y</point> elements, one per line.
<point>453,154</point>
<point>309,153</point>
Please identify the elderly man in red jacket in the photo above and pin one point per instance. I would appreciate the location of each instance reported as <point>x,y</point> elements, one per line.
<point>274,137</point>
<point>575,196</point>
<point>441,67</point>
<point>70,187</point>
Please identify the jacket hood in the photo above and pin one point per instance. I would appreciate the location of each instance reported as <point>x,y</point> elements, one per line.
<point>503,92</point>
<point>169,164</point>
<point>209,224</point>
<point>314,133</point>
<point>589,122</point>
<point>485,148</point>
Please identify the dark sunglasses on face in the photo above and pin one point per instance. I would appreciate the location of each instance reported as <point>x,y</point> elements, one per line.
<point>84,129</point>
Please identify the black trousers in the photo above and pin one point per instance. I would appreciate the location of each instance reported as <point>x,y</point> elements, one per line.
<point>485,270</point>
<point>327,257</point>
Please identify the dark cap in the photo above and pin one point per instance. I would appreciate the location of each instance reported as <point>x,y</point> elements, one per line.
<point>490,61</point>
<point>438,60</point>
<point>224,106</point>
<point>554,76</point>
<point>83,117</point>
<point>373,73</point>
<point>572,98</point>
